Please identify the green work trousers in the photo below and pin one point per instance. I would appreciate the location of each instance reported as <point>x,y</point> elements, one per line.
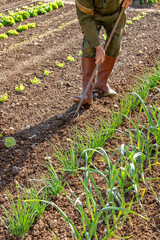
<point>108,23</point>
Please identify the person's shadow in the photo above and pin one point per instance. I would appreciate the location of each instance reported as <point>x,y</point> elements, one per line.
<point>26,139</point>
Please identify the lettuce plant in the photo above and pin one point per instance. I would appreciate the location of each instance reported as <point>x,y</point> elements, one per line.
<point>35,81</point>
<point>48,7</point>
<point>3,36</point>
<point>3,97</point>
<point>41,10</point>
<point>32,12</point>
<point>54,5</point>
<point>70,58</point>
<point>9,141</point>
<point>31,25</point>
<point>60,65</point>
<point>60,3</point>
<point>17,17</point>
<point>21,28</point>
<point>129,22</point>
<point>7,20</point>
<point>24,14</point>
<point>20,88</point>
<point>12,32</point>
<point>1,25</point>
<point>79,53</point>
<point>46,73</point>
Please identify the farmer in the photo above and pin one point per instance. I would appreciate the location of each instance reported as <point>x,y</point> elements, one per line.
<point>92,15</point>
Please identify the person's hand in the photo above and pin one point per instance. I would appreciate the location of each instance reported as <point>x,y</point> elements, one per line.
<point>100,54</point>
<point>126,3</point>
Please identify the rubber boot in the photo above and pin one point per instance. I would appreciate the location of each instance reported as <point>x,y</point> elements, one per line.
<point>103,73</point>
<point>88,66</point>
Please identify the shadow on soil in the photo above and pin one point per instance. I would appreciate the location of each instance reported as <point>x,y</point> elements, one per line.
<point>28,139</point>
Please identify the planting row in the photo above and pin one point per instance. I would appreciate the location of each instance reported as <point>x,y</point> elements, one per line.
<point>18,16</point>
<point>105,205</point>
<point>35,80</point>
<point>15,32</point>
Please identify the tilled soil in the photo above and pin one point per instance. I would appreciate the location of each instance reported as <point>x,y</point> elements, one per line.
<point>41,112</point>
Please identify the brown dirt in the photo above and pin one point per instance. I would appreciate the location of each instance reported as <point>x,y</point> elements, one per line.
<point>40,112</point>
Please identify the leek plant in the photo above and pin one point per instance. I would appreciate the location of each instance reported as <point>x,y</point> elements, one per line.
<point>21,214</point>
<point>68,158</point>
<point>52,184</point>
<point>96,208</point>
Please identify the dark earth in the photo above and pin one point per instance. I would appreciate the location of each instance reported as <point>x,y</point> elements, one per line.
<point>40,112</point>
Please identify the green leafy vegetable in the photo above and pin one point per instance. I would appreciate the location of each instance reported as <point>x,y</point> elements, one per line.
<point>20,88</point>
<point>3,97</point>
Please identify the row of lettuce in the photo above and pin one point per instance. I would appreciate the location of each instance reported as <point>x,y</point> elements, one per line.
<point>28,11</point>
<point>20,28</point>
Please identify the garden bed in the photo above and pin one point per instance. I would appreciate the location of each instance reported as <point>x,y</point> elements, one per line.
<point>40,112</point>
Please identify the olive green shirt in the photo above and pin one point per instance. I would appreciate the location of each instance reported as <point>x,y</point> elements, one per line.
<point>89,10</point>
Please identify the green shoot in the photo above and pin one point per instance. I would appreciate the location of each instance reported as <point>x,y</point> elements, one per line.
<point>35,81</point>
<point>10,142</point>
<point>129,22</point>
<point>143,13</point>
<point>79,53</point>
<point>70,58</point>
<point>60,65</point>
<point>46,73</point>
<point>3,97</point>
<point>20,88</point>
